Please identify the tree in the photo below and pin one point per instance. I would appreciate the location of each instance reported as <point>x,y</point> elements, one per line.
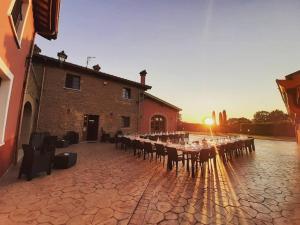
<point>214,117</point>
<point>220,119</point>
<point>261,117</point>
<point>235,124</point>
<point>278,115</point>
<point>237,121</point>
<point>274,116</point>
<point>224,117</point>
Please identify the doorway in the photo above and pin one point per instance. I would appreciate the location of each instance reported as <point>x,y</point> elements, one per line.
<point>158,123</point>
<point>92,127</point>
<point>26,124</point>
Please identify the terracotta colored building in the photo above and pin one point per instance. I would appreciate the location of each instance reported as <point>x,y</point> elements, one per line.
<point>158,115</point>
<point>290,92</point>
<point>88,101</point>
<point>20,20</point>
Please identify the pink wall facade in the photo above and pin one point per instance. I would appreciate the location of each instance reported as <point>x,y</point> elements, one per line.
<point>150,108</point>
<point>13,56</point>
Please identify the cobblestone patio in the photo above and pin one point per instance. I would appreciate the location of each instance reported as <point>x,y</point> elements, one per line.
<point>109,186</point>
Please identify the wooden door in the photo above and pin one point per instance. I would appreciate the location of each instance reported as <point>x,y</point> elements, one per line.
<point>92,128</point>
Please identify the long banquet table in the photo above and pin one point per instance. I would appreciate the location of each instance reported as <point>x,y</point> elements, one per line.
<point>190,149</point>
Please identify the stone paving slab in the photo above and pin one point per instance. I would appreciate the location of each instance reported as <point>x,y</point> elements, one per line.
<point>109,186</point>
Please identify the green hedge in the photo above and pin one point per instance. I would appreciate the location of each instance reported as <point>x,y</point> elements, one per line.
<point>284,128</point>
<point>269,129</point>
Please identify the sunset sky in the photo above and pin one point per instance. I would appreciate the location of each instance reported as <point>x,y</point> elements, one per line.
<point>200,55</point>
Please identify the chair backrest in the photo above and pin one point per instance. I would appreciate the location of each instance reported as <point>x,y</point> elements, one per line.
<point>176,138</point>
<point>152,138</point>
<point>128,141</point>
<point>172,153</point>
<point>249,142</point>
<point>50,143</point>
<point>148,147</point>
<point>239,144</point>
<point>160,149</point>
<point>134,144</point>
<point>163,138</point>
<point>212,152</point>
<point>28,151</point>
<point>117,139</point>
<point>230,146</point>
<point>37,139</point>
<point>140,145</point>
<point>252,141</point>
<point>221,149</point>
<point>204,154</point>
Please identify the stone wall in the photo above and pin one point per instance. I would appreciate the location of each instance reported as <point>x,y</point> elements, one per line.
<point>63,109</point>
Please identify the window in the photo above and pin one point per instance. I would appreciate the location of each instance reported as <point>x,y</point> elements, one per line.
<point>126,93</point>
<point>18,13</point>
<point>158,124</point>
<point>125,121</point>
<point>6,80</point>
<point>72,81</point>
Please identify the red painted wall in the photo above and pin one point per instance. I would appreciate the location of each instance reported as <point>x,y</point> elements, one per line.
<point>14,59</point>
<point>150,108</point>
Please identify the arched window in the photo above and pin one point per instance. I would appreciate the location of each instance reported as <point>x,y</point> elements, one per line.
<point>158,124</point>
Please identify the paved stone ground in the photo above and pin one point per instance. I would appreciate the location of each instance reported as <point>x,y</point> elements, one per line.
<point>109,186</point>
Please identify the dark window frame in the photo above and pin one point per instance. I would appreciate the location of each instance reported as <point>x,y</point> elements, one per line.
<point>158,123</point>
<point>126,93</point>
<point>71,83</point>
<point>125,121</point>
<point>17,14</point>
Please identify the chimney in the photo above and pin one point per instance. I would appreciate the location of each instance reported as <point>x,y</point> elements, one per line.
<point>97,68</point>
<point>143,77</point>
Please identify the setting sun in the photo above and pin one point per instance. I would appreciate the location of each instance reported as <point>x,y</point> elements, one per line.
<point>209,121</point>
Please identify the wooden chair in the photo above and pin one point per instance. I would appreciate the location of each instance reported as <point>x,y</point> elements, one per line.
<point>229,150</point>
<point>118,141</point>
<point>138,147</point>
<point>240,146</point>
<point>160,152</point>
<point>125,143</point>
<point>174,157</point>
<point>163,138</point>
<point>222,153</point>
<point>148,149</point>
<point>203,158</point>
<point>249,144</point>
<point>213,155</point>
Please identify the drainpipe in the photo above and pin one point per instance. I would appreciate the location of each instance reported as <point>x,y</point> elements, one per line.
<point>40,98</point>
<point>18,129</point>
<point>141,97</point>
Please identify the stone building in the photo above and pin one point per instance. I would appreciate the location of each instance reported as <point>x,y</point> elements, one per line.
<point>69,97</point>
<point>84,100</point>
